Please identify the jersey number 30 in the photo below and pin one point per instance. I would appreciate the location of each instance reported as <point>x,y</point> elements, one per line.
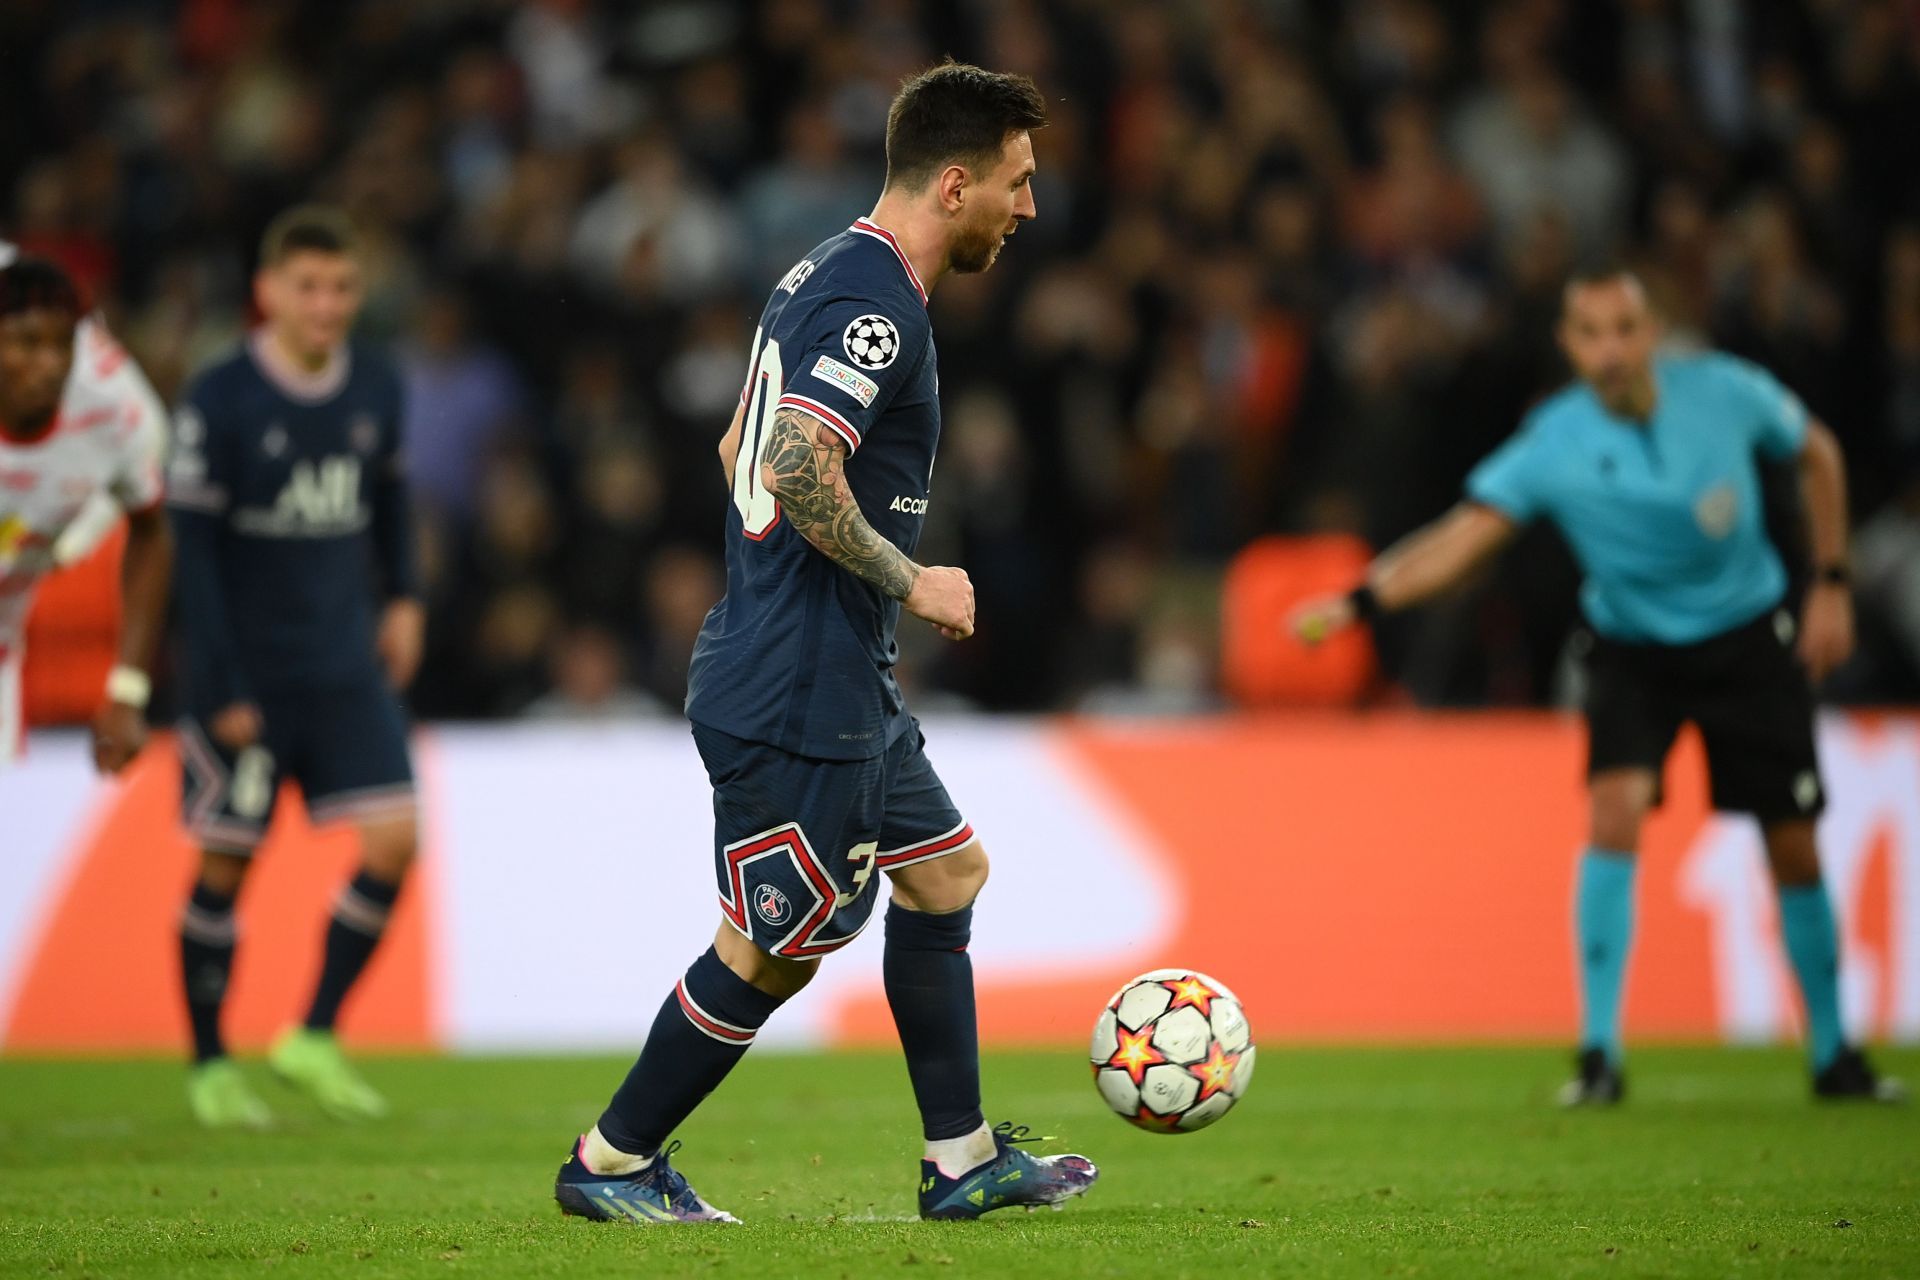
<point>759,509</point>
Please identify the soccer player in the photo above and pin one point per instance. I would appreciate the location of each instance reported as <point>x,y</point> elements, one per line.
<point>298,624</point>
<point>1648,465</point>
<point>81,432</point>
<point>819,773</point>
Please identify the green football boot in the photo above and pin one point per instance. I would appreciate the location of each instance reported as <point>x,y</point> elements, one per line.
<point>311,1062</point>
<point>220,1098</point>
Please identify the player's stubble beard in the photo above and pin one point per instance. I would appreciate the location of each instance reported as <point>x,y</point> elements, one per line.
<point>975,248</point>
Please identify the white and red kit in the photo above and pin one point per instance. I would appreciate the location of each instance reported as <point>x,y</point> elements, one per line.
<point>63,492</point>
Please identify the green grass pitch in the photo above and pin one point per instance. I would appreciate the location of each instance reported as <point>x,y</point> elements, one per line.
<point>1370,1162</point>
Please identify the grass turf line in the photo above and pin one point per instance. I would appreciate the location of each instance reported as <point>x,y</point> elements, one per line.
<point>1371,1162</point>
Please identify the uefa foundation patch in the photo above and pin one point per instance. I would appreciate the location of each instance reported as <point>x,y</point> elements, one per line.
<point>852,381</point>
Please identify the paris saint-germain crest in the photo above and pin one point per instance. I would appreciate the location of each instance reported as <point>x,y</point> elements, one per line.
<point>771,905</point>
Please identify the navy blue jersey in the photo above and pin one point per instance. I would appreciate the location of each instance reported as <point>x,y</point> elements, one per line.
<point>799,654</point>
<point>290,513</point>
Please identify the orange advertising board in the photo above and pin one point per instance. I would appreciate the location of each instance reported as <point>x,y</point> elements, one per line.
<point>1397,876</point>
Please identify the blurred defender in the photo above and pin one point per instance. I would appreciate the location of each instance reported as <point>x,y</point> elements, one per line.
<point>81,437</point>
<point>819,774</point>
<point>1648,466</point>
<point>290,508</point>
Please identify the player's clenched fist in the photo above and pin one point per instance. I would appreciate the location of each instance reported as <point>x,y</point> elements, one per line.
<point>119,731</point>
<point>944,597</point>
<point>1317,619</point>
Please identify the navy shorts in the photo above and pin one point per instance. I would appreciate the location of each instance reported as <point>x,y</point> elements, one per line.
<point>796,840</point>
<point>345,747</point>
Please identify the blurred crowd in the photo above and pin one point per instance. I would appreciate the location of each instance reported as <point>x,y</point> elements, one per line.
<point>1295,269</point>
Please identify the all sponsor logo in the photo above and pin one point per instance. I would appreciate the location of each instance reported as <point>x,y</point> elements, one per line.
<point>909,506</point>
<point>852,381</point>
<point>319,499</point>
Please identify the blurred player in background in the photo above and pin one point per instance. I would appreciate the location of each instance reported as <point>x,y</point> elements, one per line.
<point>81,439</point>
<point>819,773</point>
<point>1648,465</point>
<point>298,623</point>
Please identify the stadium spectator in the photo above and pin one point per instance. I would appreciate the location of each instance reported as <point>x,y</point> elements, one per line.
<point>1288,275</point>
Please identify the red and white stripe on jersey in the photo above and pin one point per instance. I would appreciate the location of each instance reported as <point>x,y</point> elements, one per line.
<point>926,850</point>
<point>869,228</point>
<point>725,1032</point>
<point>806,404</point>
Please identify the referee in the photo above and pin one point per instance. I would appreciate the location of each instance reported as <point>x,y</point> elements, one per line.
<point>1647,465</point>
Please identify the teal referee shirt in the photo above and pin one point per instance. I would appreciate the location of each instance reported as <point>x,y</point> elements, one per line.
<point>1664,516</point>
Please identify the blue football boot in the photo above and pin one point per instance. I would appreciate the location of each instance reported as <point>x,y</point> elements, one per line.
<point>1012,1177</point>
<point>657,1194</point>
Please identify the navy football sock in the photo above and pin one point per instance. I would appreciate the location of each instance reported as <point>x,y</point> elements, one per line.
<point>359,918</point>
<point>704,1027</point>
<point>206,961</point>
<point>929,979</point>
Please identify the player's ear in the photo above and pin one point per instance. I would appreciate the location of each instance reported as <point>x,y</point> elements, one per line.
<point>952,186</point>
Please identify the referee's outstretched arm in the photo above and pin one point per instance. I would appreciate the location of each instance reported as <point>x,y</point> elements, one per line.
<point>1424,564</point>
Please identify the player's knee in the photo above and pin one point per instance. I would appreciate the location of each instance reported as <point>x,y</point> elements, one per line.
<point>1616,828</point>
<point>1792,852</point>
<point>388,847</point>
<point>222,872</point>
<point>1620,804</point>
<point>775,975</point>
<point>943,884</point>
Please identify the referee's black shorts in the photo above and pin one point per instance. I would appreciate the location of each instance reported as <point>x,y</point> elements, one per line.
<point>1744,688</point>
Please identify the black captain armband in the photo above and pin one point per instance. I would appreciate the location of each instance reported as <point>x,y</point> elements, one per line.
<point>1365,604</point>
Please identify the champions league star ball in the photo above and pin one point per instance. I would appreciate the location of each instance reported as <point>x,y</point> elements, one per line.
<point>1172,1051</point>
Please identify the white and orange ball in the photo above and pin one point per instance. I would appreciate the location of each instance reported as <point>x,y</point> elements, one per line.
<point>1172,1051</point>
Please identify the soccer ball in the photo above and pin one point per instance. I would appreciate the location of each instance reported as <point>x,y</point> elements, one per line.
<point>1172,1051</point>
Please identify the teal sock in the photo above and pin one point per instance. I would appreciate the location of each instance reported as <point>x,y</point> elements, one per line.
<point>1813,944</point>
<point>1603,923</point>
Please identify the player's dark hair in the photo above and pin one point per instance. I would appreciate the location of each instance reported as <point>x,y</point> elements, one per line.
<point>1603,272</point>
<point>314,228</point>
<point>956,114</point>
<point>35,284</point>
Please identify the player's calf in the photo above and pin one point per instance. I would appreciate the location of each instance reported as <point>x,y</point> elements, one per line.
<point>703,1028</point>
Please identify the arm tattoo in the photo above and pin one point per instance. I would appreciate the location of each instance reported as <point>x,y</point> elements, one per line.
<point>804,464</point>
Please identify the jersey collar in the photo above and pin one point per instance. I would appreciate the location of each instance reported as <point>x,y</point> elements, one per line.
<point>868,227</point>
<point>297,384</point>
